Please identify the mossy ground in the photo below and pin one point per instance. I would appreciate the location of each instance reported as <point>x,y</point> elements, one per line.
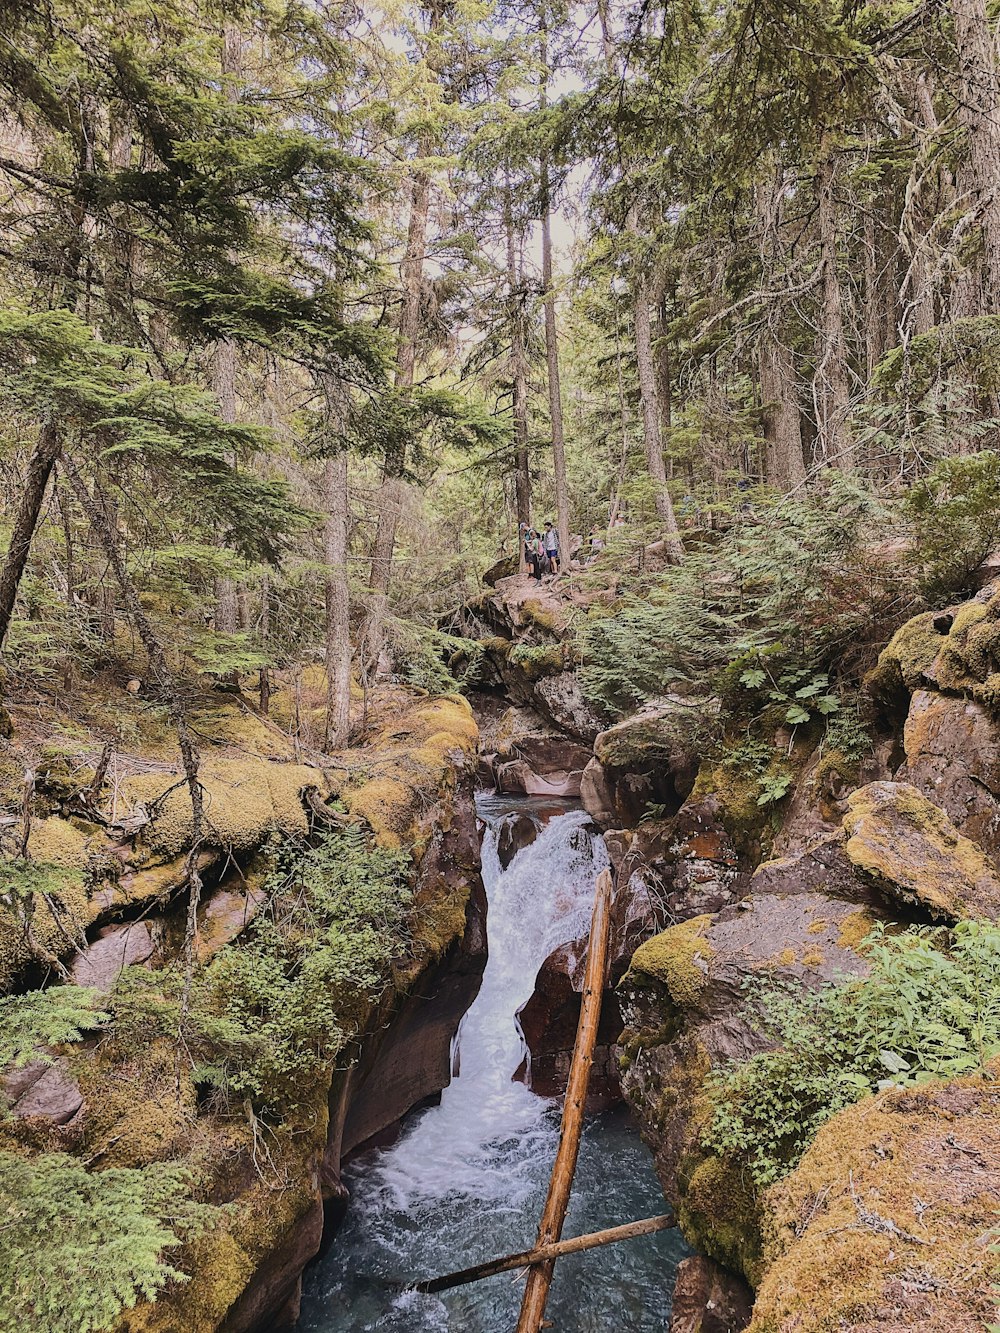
<point>886,1222</point>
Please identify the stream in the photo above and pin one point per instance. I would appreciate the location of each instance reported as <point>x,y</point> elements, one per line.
<point>467,1179</point>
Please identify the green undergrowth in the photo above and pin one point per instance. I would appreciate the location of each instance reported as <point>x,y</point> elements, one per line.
<point>271,1010</point>
<point>32,1022</point>
<point>929,1008</point>
<point>108,1236</point>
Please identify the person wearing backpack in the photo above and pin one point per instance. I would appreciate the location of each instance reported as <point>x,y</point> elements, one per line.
<point>534,553</point>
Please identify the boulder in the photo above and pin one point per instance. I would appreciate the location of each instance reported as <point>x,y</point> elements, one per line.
<point>709,1299</point>
<point>914,854</point>
<point>561,699</point>
<point>887,1222</point>
<point>952,750</point>
<point>650,759</point>
<point>519,778</point>
<point>689,863</point>
<point>657,734</point>
<point>825,868</point>
<point>115,947</point>
<point>548,1022</point>
<point>516,832</point>
<point>225,914</point>
<point>597,795</point>
<point>44,1091</point>
<point>687,1011</point>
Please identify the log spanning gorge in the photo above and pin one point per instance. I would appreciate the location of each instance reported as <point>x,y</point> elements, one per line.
<point>466,1180</point>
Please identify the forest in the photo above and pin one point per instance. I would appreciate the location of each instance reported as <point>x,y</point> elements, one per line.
<point>308,314</point>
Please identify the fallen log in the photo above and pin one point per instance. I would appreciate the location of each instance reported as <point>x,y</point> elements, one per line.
<point>554,1214</point>
<point>627,1231</point>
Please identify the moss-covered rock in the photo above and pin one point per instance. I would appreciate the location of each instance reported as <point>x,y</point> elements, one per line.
<point>677,958</point>
<point>910,848</point>
<point>246,800</point>
<point>887,1221</point>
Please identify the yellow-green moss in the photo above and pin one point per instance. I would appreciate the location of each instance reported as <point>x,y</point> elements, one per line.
<point>965,617</point>
<point>945,872</point>
<point>412,761</point>
<point>245,800</point>
<point>719,1214</point>
<point>535,663</point>
<point>58,842</point>
<point>672,958</point>
<point>910,653</point>
<point>60,905</point>
<point>737,792</point>
<point>550,619</point>
<point>890,1157</point>
<point>855,929</point>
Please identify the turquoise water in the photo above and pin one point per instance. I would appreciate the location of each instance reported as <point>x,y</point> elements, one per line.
<point>467,1180</point>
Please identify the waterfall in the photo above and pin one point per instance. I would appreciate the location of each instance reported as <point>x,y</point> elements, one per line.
<point>467,1178</point>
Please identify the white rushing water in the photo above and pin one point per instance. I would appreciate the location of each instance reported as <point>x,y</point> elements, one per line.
<point>467,1179</point>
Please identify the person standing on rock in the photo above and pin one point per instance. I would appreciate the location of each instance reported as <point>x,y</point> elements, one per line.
<point>534,553</point>
<point>551,543</point>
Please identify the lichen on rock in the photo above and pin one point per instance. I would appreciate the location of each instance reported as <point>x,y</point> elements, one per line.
<point>910,848</point>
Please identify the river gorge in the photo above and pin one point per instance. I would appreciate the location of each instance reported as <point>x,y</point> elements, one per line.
<point>467,1178</point>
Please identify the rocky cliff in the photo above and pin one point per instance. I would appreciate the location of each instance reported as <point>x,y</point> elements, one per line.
<point>98,891</point>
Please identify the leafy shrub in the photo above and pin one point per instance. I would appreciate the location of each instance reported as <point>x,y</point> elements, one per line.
<point>276,1006</point>
<point>79,1246</point>
<point>923,1012</point>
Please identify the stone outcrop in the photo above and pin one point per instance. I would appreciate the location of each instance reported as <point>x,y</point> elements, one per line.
<point>121,1101</point>
<point>529,756</point>
<point>43,1090</point>
<point>644,762</point>
<point>910,848</point>
<point>952,750</point>
<point>687,1012</point>
<point>516,832</point>
<point>548,1021</point>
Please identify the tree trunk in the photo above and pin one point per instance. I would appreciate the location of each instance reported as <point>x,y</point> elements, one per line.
<point>264,674</point>
<point>575,1245</point>
<point>784,464</point>
<point>338,627</point>
<point>831,385</point>
<point>551,329</point>
<point>980,112</point>
<point>98,518</point>
<point>392,492</point>
<point>518,375</point>
<point>651,413</point>
<point>224,357</point>
<point>36,479</point>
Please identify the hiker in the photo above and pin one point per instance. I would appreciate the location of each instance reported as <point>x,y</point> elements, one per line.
<point>596,543</point>
<point>551,543</point>
<point>534,553</point>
